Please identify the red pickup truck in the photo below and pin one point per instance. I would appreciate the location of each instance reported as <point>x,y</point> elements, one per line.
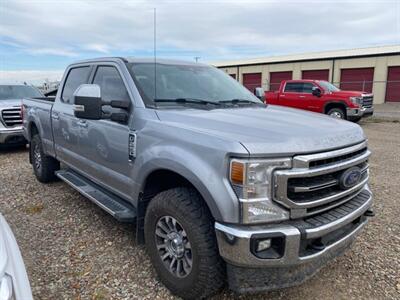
<point>323,97</point>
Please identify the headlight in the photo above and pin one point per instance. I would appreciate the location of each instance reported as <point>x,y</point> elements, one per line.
<point>356,100</point>
<point>251,180</point>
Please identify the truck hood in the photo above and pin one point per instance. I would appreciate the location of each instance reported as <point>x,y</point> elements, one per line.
<point>269,131</point>
<point>347,94</point>
<point>10,102</point>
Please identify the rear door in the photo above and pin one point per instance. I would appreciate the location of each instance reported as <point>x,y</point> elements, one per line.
<point>66,127</point>
<point>104,143</point>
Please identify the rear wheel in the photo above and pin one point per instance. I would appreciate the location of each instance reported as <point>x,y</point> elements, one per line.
<point>180,239</point>
<point>337,113</point>
<point>44,166</point>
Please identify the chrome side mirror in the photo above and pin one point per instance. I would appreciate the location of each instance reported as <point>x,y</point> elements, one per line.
<point>260,93</point>
<point>87,102</point>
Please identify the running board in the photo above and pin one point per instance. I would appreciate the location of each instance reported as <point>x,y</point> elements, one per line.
<point>114,205</point>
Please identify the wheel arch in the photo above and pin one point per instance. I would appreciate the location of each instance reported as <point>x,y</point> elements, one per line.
<point>162,179</point>
<point>335,104</point>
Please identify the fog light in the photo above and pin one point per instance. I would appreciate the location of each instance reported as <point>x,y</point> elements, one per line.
<point>263,245</point>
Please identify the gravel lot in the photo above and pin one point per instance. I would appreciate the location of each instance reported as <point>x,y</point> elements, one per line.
<point>73,250</point>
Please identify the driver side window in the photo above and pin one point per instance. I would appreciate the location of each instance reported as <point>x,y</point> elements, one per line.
<point>111,84</point>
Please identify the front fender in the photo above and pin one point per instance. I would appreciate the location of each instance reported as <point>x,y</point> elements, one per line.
<point>207,173</point>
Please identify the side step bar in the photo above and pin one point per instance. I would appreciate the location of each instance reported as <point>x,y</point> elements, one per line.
<point>114,205</point>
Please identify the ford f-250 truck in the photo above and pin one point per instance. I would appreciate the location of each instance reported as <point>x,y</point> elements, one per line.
<point>10,111</point>
<point>323,97</point>
<point>219,184</point>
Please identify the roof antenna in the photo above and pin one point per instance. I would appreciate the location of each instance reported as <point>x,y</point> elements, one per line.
<point>155,54</point>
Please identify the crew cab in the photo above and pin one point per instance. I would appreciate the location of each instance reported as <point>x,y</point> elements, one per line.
<point>323,97</point>
<point>219,184</point>
<point>10,111</point>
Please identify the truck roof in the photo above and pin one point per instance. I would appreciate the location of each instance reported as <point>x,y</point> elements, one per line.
<point>140,60</point>
<point>302,80</point>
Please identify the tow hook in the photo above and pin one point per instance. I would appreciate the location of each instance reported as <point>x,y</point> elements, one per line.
<point>369,213</point>
<point>318,245</point>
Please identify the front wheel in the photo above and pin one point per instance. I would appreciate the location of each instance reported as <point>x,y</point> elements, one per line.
<point>337,113</point>
<point>180,239</point>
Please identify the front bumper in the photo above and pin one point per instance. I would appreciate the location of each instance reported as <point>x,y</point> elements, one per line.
<point>298,260</point>
<point>11,135</point>
<point>360,112</point>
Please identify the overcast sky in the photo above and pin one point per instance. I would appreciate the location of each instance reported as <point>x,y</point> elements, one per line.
<point>39,38</point>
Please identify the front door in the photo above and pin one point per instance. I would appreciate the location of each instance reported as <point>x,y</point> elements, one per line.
<point>104,142</point>
<point>292,95</point>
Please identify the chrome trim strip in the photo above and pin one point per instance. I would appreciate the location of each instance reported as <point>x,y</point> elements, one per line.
<point>315,187</point>
<point>303,161</point>
<point>324,200</point>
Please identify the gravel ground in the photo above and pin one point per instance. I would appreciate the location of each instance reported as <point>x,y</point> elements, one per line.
<point>73,250</point>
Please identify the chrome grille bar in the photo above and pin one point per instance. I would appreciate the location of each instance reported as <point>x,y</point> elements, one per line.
<point>11,117</point>
<point>313,184</point>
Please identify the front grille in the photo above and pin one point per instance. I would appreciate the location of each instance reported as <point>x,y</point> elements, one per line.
<point>367,101</point>
<point>11,117</point>
<point>317,187</point>
<point>313,184</point>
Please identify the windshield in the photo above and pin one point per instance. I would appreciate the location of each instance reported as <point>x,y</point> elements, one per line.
<point>203,84</point>
<point>327,86</point>
<point>18,92</point>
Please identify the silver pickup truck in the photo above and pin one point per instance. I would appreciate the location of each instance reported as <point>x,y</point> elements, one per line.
<point>11,96</point>
<point>219,185</point>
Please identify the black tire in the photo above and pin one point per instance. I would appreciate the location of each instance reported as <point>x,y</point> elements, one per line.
<point>44,166</point>
<point>207,273</point>
<point>337,113</point>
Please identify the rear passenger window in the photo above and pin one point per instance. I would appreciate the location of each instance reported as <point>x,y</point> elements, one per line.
<point>294,87</point>
<point>75,78</point>
<point>111,84</point>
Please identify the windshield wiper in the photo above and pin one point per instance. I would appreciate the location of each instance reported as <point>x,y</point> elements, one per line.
<point>239,101</point>
<point>187,100</point>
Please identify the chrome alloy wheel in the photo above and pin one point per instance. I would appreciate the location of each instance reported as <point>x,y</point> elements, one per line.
<point>173,246</point>
<point>37,157</point>
<point>336,114</point>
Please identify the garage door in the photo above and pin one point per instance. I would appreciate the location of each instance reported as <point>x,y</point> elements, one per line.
<point>276,78</point>
<point>393,85</point>
<point>316,74</point>
<point>357,79</point>
<point>252,81</point>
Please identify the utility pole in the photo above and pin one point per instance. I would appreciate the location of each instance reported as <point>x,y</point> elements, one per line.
<point>196,58</point>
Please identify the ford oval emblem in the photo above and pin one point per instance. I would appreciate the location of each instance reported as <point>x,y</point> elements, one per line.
<point>350,178</point>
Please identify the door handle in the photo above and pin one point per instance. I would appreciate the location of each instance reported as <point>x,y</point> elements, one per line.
<point>55,116</point>
<point>302,96</point>
<point>82,123</point>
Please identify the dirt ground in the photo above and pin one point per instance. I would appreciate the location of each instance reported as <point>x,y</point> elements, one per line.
<point>74,250</point>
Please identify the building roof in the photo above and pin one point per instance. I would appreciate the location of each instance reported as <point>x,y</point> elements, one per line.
<point>348,53</point>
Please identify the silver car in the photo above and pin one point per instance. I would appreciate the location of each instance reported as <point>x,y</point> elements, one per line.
<point>14,283</point>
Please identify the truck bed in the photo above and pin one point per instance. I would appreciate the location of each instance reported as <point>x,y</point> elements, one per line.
<point>38,111</point>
